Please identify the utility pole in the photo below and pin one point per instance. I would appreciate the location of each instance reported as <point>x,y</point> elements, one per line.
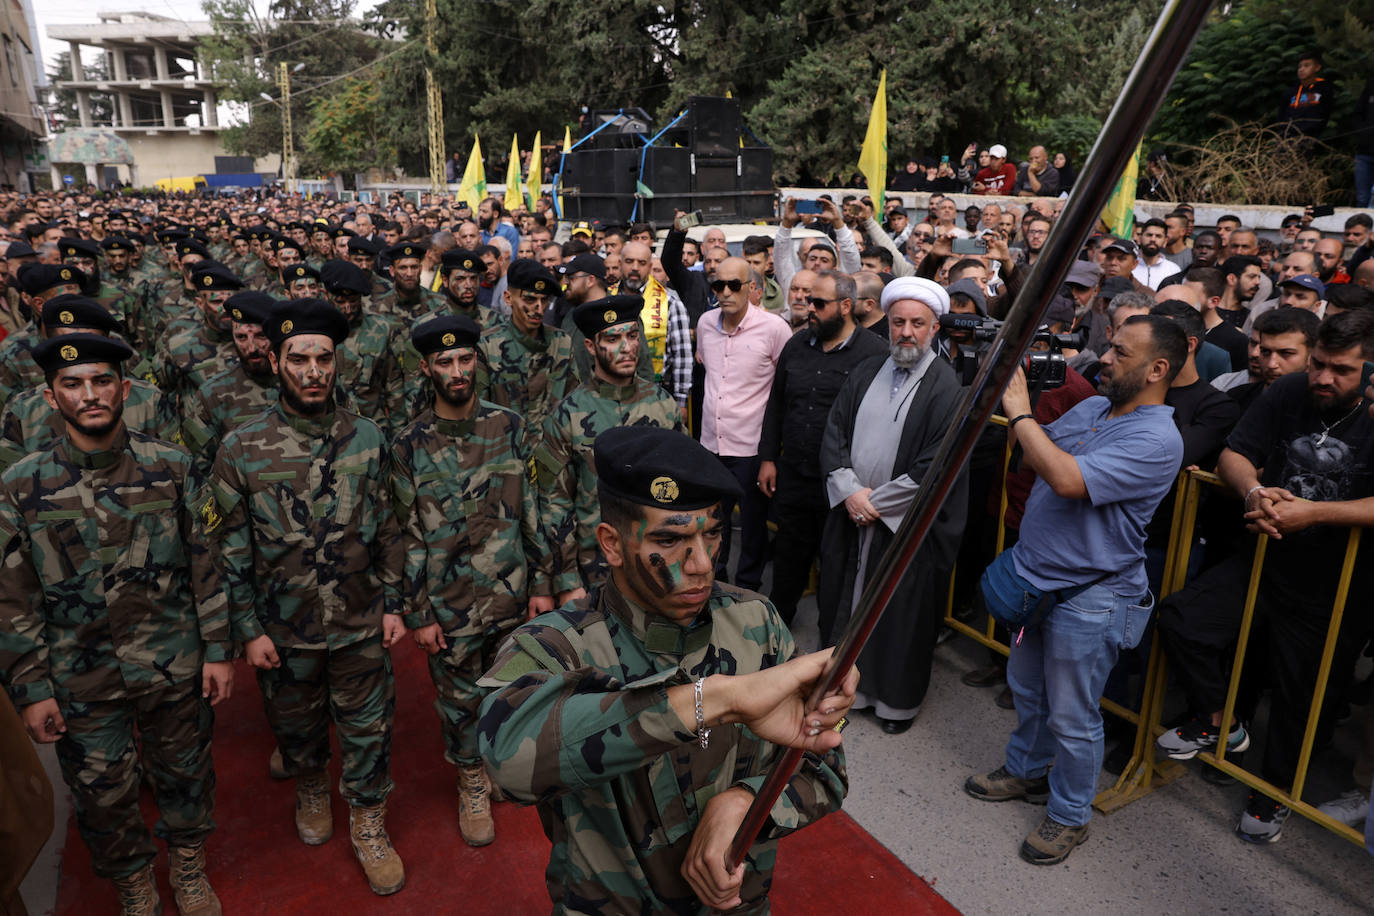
<point>436,104</point>
<point>288,146</point>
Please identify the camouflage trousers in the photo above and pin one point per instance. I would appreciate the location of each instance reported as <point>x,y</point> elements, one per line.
<point>351,686</point>
<point>100,764</point>
<point>455,671</point>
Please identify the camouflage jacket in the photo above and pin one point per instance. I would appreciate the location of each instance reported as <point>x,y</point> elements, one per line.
<point>578,721</point>
<point>415,395</point>
<point>30,425</point>
<point>380,286</point>
<point>224,401</point>
<point>165,304</point>
<point>188,354</point>
<point>407,309</point>
<point>123,302</point>
<point>473,549</point>
<point>530,375</point>
<point>369,371</point>
<point>299,510</point>
<point>96,582</point>
<point>566,473</point>
<point>18,371</point>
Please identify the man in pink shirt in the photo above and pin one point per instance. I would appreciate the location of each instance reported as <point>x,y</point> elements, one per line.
<point>738,344</point>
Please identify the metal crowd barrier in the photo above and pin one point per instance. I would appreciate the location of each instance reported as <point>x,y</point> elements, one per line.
<point>1143,774</point>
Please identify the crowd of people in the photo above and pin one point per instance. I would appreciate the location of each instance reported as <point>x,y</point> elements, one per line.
<point>560,457</point>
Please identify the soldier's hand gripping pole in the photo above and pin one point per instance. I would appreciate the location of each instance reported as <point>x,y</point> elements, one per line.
<point>1135,108</point>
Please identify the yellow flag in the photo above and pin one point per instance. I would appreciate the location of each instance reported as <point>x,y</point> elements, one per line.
<point>534,178</point>
<point>1119,214</point>
<point>473,190</point>
<point>513,192</point>
<point>873,157</point>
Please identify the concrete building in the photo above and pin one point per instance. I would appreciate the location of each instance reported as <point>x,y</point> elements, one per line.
<point>21,117</point>
<point>162,105</point>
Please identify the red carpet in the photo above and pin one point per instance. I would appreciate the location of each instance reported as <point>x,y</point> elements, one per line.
<point>257,864</point>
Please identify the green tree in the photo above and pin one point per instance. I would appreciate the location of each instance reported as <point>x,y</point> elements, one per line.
<point>64,100</point>
<point>346,129</point>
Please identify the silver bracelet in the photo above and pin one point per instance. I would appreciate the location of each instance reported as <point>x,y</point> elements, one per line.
<point>1251,492</point>
<point>703,733</point>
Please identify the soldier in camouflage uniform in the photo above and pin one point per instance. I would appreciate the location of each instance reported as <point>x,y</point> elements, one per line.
<point>40,282</point>
<point>299,511</point>
<point>408,298</point>
<point>522,363</point>
<point>642,718</point>
<point>463,272</point>
<point>300,281</point>
<point>29,424</point>
<point>233,397</point>
<point>362,253</point>
<point>198,346</point>
<point>475,559</point>
<point>614,396</point>
<point>120,274</point>
<point>172,300</point>
<point>121,303</point>
<point>584,280</point>
<point>99,631</point>
<point>369,360</point>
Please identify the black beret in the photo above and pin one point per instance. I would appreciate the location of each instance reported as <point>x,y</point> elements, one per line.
<point>116,243</point>
<point>321,225</point>
<point>341,275</point>
<point>444,332</point>
<point>78,248</point>
<point>464,260</point>
<point>39,278</point>
<point>250,307</point>
<point>585,263</point>
<point>212,275</point>
<point>293,317</point>
<point>191,246</point>
<point>75,349</point>
<point>600,314</point>
<point>341,232</point>
<point>170,235</point>
<point>405,250</point>
<point>533,277</point>
<point>20,250</point>
<point>282,241</point>
<point>658,467</point>
<point>366,246</point>
<point>293,272</point>
<point>70,311</point>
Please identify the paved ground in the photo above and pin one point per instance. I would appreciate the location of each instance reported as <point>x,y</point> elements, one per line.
<point>1170,853</point>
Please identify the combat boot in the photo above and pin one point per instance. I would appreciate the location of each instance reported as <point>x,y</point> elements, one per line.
<point>138,894</point>
<point>372,846</point>
<point>474,806</point>
<point>191,889</point>
<point>314,816</point>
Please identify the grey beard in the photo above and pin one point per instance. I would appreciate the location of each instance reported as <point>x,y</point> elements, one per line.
<point>904,358</point>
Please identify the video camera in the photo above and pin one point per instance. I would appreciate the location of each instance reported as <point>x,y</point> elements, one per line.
<point>1045,369</point>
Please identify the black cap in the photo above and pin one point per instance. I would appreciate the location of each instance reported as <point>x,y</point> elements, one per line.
<point>293,272</point>
<point>78,248</point>
<point>1125,246</point>
<point>20,250</point>
<point>600,314</point>
<point>70,311</point>
<point>172,234</point>
<point>444,332</point>
<point>212,275</point>
<point>658,467</point>
<point>366,246</point>
<point>464,260</point>
<point>39,278</point>
<point>281,241</point>
<point>531,276</point>
<point>405,250</point>
<point>585,263</point>
<point>293,317</point>
<point>191,246</point>
<point>75,349</point>
<point>250,307</point>
<point>341,276</point>
<point>116,243</point>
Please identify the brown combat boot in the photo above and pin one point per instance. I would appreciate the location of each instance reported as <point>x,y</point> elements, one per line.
<point>275,767</point>
<point>372,846</point>
<point>138,894</point>
<point>191,889</point>
<point>314,816</point>
<point>474,806</point>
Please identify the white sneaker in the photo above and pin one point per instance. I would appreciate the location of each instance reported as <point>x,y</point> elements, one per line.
<point>1350,809</point>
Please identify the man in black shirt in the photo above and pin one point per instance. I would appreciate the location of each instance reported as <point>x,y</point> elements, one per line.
<point>1286,337</point>
<point>811,370</point>
<point>1210,283</point>
<point>1301,460</point>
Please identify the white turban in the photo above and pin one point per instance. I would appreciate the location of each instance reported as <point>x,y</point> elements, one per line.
<point>922,290</point>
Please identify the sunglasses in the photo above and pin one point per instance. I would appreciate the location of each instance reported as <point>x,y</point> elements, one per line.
<point>923,236</point>
<point>817,303</point>
<point>718,286</point>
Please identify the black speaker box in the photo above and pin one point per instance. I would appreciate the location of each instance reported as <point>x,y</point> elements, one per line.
<point>714,125</point>
<point>599,184</point>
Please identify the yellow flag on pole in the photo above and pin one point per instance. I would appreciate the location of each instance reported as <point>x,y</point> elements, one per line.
<point>1119,214</point>
<point>873,157</point>
<point>534,178</point>
<point>513,192</point>
<point>473,190</point>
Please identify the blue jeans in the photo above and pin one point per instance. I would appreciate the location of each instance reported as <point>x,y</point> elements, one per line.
<point>1364,178</point>
<point>1056,675</point>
